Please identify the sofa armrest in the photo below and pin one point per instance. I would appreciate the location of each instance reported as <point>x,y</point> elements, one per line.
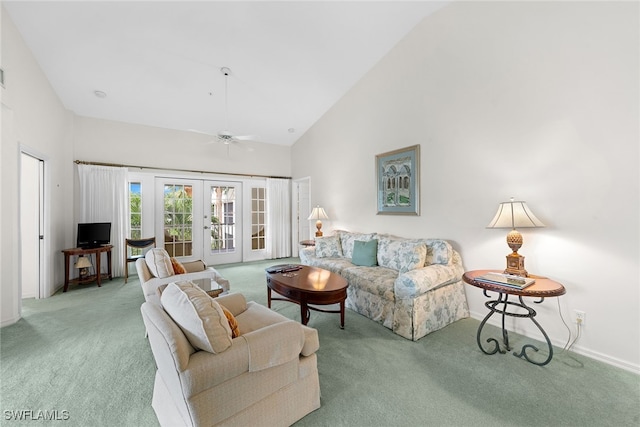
<point>150,286</point>
<point>274,345</point>
<point>306,254</point>
<point>236,303</point>
<point>421,280</point>
<point>311,341</point>
<point>194,266</point>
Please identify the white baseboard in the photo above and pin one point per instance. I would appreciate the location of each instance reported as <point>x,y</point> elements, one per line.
<point>601,357</point>
<point>8,322</point>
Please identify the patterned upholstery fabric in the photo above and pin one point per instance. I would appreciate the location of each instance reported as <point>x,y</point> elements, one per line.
<point>438,251</point>
<point>401,255</point>
<point>416,289</point>
<point>348,239</point>
<point>328,247</point>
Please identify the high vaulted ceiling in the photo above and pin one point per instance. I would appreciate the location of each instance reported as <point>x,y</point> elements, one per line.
<point>159,62</point>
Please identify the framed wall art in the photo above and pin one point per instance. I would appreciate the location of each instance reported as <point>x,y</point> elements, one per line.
<point>398,181</point>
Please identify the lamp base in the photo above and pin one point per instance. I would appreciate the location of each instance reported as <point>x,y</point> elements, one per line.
<point>318,233</point>
<point>319,226</point>
<point>515,265</point>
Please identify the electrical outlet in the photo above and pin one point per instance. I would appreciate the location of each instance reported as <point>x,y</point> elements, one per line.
<point>579,316</point>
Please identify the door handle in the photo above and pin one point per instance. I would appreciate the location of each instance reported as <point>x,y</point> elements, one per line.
<point>206,227</point>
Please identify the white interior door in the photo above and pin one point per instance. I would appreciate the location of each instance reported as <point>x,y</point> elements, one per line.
<point>301,209</point>
<point>31,224</point>
<point>222,222</point>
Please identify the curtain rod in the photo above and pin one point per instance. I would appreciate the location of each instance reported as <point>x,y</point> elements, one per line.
<point>83,162</point>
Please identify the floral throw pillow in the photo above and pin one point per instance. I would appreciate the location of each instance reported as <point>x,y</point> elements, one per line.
<point>328,247</point>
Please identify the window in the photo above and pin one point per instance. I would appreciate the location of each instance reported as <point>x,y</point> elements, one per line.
<point>135,211</point>
<point>223,219</point>
<point>135,214</point>
<point>258,195</point>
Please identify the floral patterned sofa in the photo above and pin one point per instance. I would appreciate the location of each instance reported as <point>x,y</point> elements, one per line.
<point>411,286</point>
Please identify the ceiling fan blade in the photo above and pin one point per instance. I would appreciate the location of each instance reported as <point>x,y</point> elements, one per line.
<point>241,144</point>
<point>244,137</point>
<point>200,132</point>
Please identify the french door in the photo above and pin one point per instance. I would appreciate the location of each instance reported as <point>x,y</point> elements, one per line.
<point>200,219</point>
<point>222,222</point>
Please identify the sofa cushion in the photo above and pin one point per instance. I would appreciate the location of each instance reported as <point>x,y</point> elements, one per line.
<point>328,247</point>
<point>439,251</point>
<point>198,315</point>
<point>365,253</point>
<point>378,280</point>
<point>159,263</point>
<point>347,240</point>
<point>401,255</point>
<point>334,265</point>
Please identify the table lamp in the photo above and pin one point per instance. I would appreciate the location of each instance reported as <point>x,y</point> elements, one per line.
<point>515,214</point>
<point>318,214</point>
<point>83,264</point>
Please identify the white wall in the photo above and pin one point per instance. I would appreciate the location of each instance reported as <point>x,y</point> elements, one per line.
<point>536,100</point>
<point>116,142</point>
<point>33,116</point>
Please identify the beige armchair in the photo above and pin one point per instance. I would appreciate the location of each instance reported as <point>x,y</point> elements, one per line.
<point>197,272</point>
<point>267,376</point>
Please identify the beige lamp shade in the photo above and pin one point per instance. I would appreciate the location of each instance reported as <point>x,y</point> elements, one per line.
<point>318,214</point>
<point>515,214</point>
<point>83,262</point>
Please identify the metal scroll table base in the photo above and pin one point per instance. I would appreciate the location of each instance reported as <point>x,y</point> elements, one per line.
<point>501,306</point>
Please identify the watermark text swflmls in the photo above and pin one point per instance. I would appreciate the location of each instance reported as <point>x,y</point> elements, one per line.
<point>36,415</point>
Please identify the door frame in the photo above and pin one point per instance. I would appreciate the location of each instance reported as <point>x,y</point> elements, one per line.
<point>43,225</point>
<point>300,213</point>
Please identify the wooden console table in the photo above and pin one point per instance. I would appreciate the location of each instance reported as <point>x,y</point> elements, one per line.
<point>97,253</point>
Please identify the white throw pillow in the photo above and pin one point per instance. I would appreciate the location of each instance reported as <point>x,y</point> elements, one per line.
<point>198,315</point>
<point>159,263</point>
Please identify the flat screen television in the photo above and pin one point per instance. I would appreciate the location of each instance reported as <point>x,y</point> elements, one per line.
<point>93,235</point>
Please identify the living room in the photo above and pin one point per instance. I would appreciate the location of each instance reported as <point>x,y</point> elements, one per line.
<point>538,101</point>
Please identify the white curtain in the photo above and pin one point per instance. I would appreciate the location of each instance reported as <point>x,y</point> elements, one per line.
<point>104,197</point>
<point>278,230</point>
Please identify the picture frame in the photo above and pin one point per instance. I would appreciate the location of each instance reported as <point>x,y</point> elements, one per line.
<point>398,181</point>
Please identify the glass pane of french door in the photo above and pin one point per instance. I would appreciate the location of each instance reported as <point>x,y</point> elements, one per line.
<point>178,219</point>
<point>223,222</point>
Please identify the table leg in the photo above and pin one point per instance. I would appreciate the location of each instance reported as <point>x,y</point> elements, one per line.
<point>305,313</point>
<point>98,270</point>
<point>110,275</point>
<point>492,310</point>
<point>523,351</point>
<point>493,307</point>
<point>268,297</point>
<point>342,314</point>
<point>66,272</point>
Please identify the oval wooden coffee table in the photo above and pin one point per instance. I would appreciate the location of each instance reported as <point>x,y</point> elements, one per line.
<point>308,285</point>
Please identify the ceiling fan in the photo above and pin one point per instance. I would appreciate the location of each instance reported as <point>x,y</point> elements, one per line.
<point>225,136</point>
